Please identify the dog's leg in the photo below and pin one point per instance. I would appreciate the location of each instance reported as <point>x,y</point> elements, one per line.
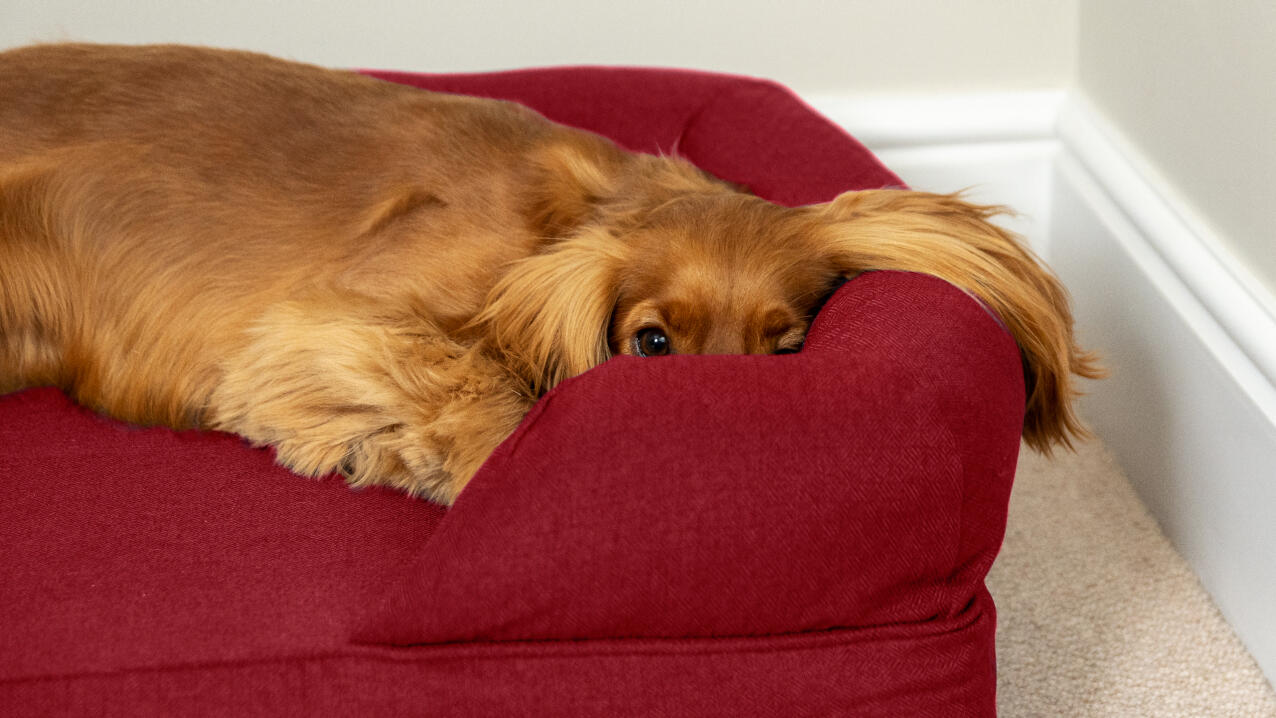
<point>339,386</point>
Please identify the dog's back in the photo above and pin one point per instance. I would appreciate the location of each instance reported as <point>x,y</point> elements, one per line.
<point>154,200</point>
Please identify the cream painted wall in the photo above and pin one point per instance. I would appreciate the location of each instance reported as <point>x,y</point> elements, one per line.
<point>1192,86</point>
<point>811,45</point>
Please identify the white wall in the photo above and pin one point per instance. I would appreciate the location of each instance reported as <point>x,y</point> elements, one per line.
<point>812,45</point>
<point>1192,85</point>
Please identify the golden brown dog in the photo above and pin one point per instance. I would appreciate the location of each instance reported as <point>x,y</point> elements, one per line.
<point>380,281</point>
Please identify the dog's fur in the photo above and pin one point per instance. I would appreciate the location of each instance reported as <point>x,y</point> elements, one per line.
<point>381,281</point>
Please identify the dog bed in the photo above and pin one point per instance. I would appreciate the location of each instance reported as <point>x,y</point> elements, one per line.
<point>727,535</point>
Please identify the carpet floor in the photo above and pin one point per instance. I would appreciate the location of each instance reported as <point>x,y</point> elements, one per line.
<point>1098,615</point>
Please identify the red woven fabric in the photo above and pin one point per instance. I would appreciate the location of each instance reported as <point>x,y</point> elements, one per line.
<point>779,535</point>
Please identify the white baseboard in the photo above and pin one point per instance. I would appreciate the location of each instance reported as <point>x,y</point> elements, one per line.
<point>1189,412</point>
<point>1227,289</point>
<point>885,121</point>
<point>1190,409</point>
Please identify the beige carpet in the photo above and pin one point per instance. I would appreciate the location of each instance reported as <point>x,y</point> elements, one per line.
<point>1097,614</point>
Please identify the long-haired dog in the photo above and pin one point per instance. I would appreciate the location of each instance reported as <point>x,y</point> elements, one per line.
<point>381,281</point>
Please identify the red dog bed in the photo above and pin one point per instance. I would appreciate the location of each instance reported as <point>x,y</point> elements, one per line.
<point>730,535</point>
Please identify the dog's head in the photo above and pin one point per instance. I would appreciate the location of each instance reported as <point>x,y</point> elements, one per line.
<point>715,273</point>
<point>661,259</point>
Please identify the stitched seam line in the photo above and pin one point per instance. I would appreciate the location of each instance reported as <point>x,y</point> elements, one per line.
<point>564,649</point>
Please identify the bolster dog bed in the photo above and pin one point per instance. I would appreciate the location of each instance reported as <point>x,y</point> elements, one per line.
<point>723,535</point>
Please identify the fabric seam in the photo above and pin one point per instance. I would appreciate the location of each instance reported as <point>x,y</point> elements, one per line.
<point>815,640</point>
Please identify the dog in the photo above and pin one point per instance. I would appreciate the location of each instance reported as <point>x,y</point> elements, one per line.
<point>381,281</point>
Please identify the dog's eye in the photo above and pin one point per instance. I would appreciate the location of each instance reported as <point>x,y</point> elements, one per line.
<point>651,343</point>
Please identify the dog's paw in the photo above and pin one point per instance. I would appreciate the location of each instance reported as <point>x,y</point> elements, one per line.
<point>341,387</point>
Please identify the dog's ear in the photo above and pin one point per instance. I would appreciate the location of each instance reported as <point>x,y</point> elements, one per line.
<point>584,180</point>
<point>569,180</point>
<point>946,237</point>
<point>548,316</point>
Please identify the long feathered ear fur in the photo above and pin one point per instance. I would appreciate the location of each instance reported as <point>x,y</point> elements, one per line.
<point>548,315</point>
<point>943,236</point>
